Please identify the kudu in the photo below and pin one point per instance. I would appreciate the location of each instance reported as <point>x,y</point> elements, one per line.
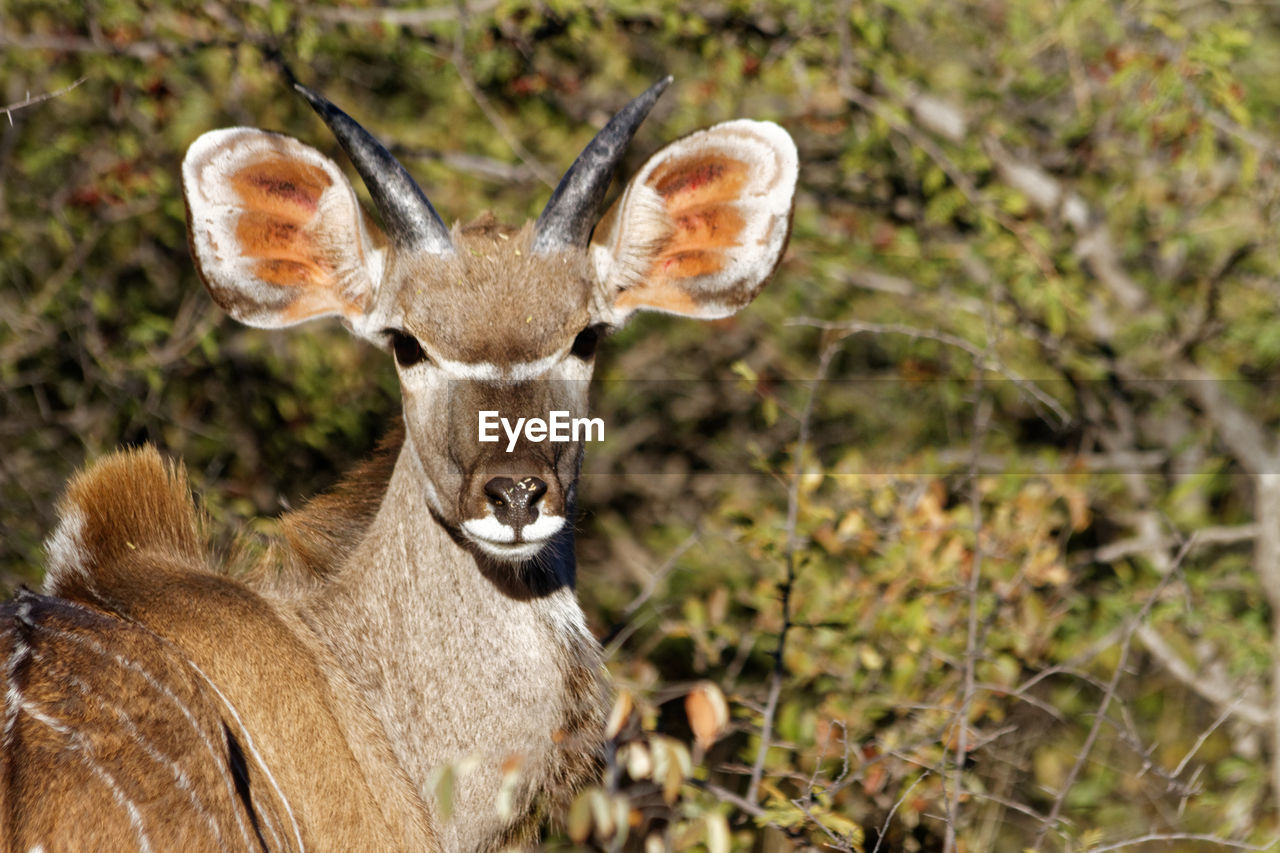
<point>419,619</point>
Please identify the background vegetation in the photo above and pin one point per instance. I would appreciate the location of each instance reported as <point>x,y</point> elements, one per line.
<point>974,517</point>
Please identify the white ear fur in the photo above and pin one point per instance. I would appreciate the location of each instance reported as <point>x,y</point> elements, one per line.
<point>701,226</point>
<point>276,231</point>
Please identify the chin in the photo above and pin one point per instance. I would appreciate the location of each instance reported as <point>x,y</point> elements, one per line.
<point>515,553</point>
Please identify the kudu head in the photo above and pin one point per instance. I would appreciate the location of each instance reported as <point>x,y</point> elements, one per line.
<point>486,318</point>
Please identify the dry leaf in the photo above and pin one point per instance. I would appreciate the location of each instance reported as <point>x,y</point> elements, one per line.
<point>708,713</point>
<point>618,716</point>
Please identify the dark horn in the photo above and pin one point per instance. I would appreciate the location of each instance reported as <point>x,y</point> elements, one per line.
<point>571,214</point>
<point>410,219</point>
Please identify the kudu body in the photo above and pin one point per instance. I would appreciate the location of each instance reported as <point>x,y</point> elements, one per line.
<point>420,619</point>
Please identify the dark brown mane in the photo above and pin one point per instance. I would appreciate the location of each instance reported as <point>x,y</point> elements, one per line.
<point>323,533</point>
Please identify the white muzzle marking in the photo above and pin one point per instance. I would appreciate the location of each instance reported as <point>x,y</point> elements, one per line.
<point>499,540</point>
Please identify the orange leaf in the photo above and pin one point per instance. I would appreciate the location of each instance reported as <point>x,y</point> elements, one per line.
<point>708,713</point>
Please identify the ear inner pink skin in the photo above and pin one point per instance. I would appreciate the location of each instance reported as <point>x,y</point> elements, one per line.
<point>275,230</point>
<point>704,223</point>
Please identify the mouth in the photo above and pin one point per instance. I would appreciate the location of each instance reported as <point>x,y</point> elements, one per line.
<point>520,552</point>
<point>501,542</point>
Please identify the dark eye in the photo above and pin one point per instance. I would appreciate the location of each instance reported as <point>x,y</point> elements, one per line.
<point>584,345</point>
<point>406,347</point>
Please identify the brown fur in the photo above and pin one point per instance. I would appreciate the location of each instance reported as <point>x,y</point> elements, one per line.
<point>130,504</point>
<point>323,533</point>
<point>321,537</point>
<point>99,738</point>
<point>142,545</point>
<point>136,564</point>
<point>373,613</point>
<point>531,304</point>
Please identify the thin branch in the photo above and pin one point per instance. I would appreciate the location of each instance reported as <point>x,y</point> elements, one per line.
<point>1012,805</point>
<point>1165,837</point>
<point>1266,565</point>
<point>1107,463</point>
<point>1260,142</point>
<point>792,543</point>
<point>1200,741</point>
<point>980,355</point>
<point>1109,694</point>
<point>727,796</point>
<point>482,101</point>
<point>933,112</point>
<point>1247,440</point>
<point>1094,244</point>
<point>1004,802</point>
<point>475,164</point>
<point>1225,696</point>
<point>1127,732</point>
<point>395,17</point>
<point>839,842</point>
<point>660,573</point>
<point>884,827</point>
<point>80,44</point>
<point>621,631</point>
<point>1039,704</point>
<point>629,630</point>
<point>981,421</point>
<point>36,99</point>
<point>1228,534</point>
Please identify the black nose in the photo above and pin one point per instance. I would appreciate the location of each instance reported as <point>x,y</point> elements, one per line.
<point>513,500</point>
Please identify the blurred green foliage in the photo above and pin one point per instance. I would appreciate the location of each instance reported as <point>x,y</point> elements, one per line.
<point>1033,260</point>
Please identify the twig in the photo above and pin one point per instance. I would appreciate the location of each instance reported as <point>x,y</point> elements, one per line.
<point>980,355</point>
<point>1266,564</point>
<point>80,44</point>
<point>1254,450</point>
<point>981,420</point>
<point>651,586</point>
<point>1012,805</point>
<point>1247,440</point>
<point>1004,802</point>
<point>35,99</point>
<point>1259,141</point>
<point>840,842</point>
<point>1223,695</point>
<point>543,173</point>
<point>1039,704</point>
<point>625,632</point>
<point>884,827</point>
<point>1112,685</point>
<point>1154,837</point>
<point>921,139</point>
<point>395,17</point>
<point>727,796</point>
<point>475,164</point>
<point>1127,733</point>
<point>660,573</point>
<point>1231,534</point>
<point>792,542</point>
<point>1195,747</point>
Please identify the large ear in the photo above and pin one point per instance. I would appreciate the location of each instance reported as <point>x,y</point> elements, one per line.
<point>276,231</point>
<point>702,225</point>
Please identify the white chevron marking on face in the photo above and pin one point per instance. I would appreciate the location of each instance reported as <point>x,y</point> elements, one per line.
<point>516,372</point>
